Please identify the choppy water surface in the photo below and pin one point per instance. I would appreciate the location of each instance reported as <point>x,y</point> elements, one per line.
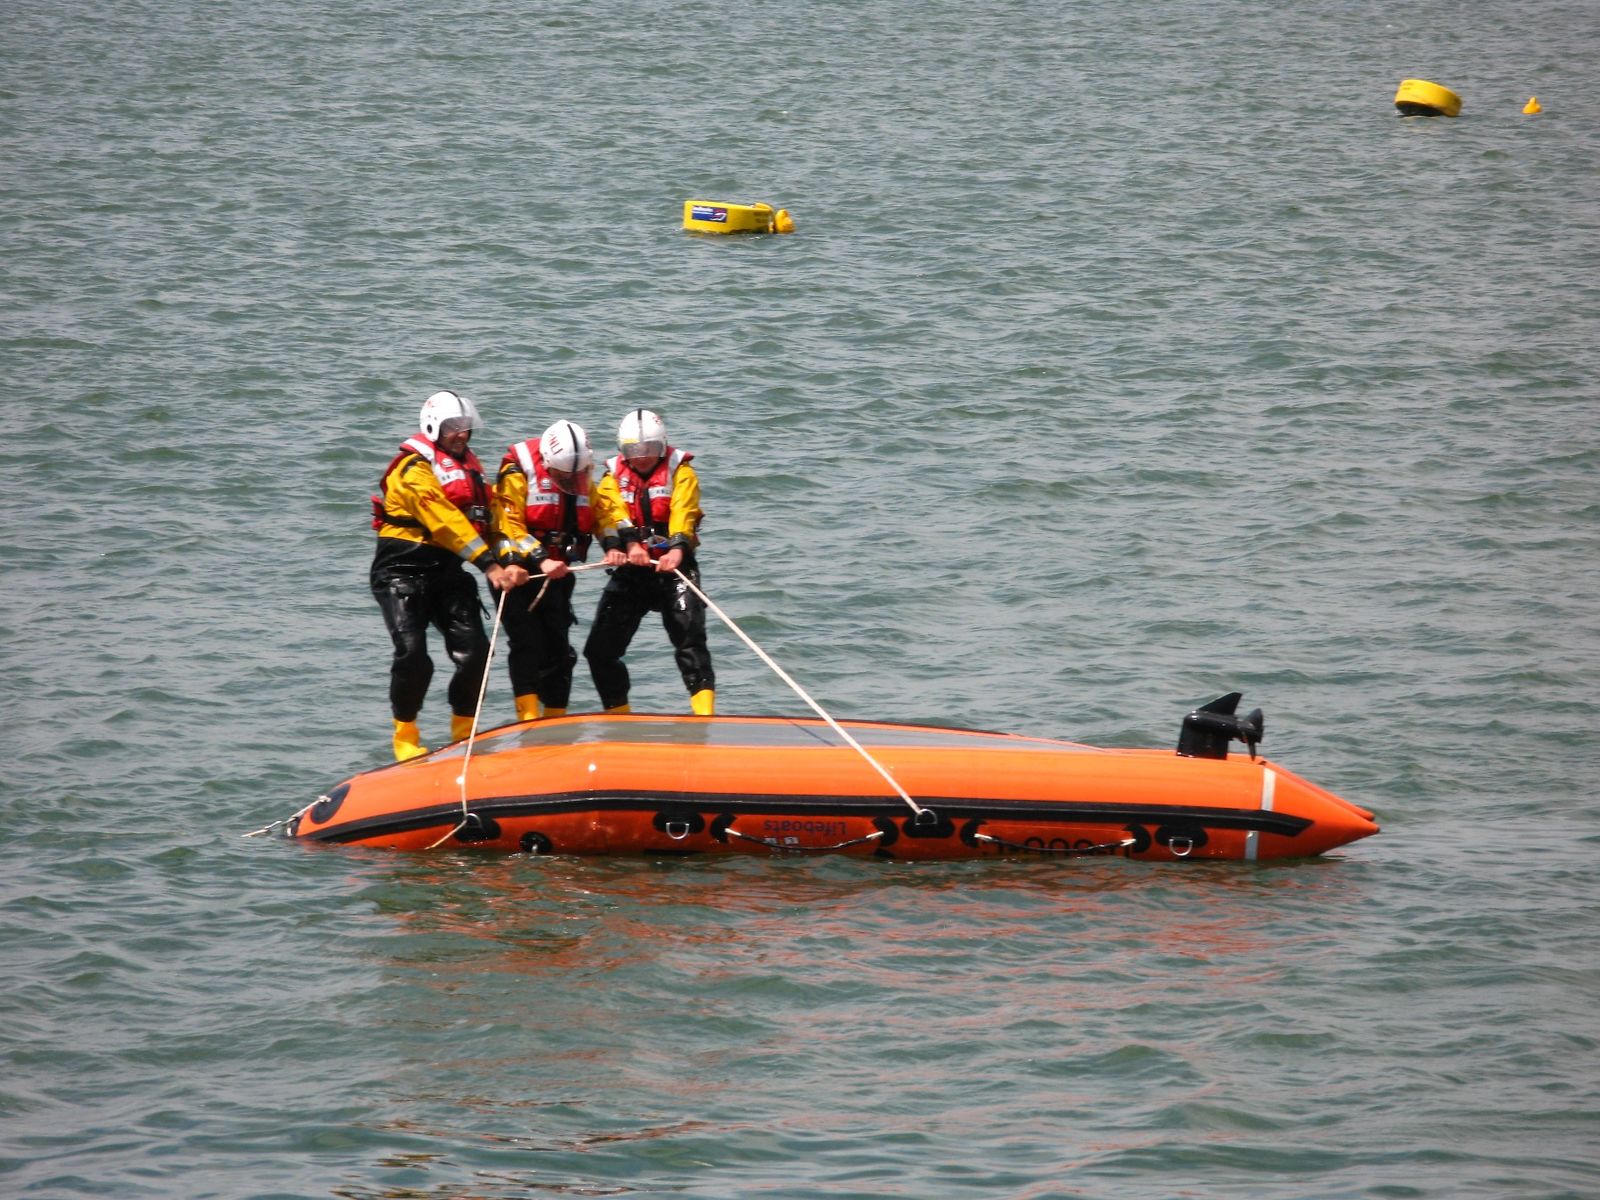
<point>1124,355</point>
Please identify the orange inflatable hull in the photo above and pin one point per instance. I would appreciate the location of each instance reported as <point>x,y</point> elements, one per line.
<point>673,785</point>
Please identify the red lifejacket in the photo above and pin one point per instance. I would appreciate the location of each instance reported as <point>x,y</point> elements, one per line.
<point>562,522</point>
<point>649,501</point>
<point>461,480</point>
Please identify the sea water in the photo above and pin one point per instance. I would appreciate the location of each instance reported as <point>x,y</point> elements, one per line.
<point>1124,355</point>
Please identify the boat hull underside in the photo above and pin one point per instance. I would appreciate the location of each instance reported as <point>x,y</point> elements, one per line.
<point>983,796</point>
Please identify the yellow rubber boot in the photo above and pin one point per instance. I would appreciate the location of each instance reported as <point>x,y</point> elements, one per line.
<point>554,712</point>
<point>528,708</point>
<point>621,708</point>
<point>460,728</point>
<point>704,702</point>
<point>407,741</point>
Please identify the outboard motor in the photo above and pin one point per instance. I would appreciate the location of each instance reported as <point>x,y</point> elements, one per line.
<point>1208,729</point>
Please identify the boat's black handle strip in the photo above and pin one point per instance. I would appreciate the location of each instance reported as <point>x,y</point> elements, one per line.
<point>773,844</point>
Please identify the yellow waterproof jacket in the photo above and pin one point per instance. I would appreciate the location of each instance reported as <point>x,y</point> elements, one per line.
<point>519,544</point>
<point>615,524</point>
<point>418,523</point>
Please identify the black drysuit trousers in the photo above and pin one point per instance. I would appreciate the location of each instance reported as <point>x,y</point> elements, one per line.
<point>447,599</point>
<point>629,594</point>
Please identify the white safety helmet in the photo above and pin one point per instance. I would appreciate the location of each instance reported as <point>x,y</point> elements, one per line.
<point>446,412</point>
<point>564,447</point>
<point>642,435</point>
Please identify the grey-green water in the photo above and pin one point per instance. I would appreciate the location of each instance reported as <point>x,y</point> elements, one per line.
<point>1125,354</point>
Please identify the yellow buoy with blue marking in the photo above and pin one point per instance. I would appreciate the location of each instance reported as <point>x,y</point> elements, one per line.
<point>1419,98</point>
<point>717,216</point>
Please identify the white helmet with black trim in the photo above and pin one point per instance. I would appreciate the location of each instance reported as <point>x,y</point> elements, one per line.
<point>447,412</point>
<point>564,447</point>
<point>642,436</point>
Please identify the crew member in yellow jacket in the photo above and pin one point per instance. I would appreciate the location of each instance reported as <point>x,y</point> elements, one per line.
<point>656,494</point>
<point>434,513</point>
<point>547,512</point>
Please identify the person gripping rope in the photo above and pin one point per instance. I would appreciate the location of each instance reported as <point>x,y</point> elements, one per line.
<point>656,496</point>
<point>548,511</point>
<point>432,513</point>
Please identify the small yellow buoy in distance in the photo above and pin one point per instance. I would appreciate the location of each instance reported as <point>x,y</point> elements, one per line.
<point>1532,106</point>
<point>1419,98</point>
<point>717,216</point>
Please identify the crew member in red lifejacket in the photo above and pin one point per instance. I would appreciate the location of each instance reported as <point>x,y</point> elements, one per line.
<point>434,512</point>
<point>658,494</point>
<point>545,494</point>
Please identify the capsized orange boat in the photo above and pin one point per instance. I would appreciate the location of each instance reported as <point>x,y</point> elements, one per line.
<point>678,785</point>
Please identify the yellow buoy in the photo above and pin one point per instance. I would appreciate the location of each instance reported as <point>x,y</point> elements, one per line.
<point>1532,106</point>
<point>716,216</point>
<point>1419,98</point>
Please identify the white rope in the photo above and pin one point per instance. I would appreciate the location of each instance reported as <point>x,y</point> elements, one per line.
<point>774,844</point>
<point>545,586</point>
<point>276,825</point>
<point>1043,849</point>
<point>472,734</point>
<point>801,692</point>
